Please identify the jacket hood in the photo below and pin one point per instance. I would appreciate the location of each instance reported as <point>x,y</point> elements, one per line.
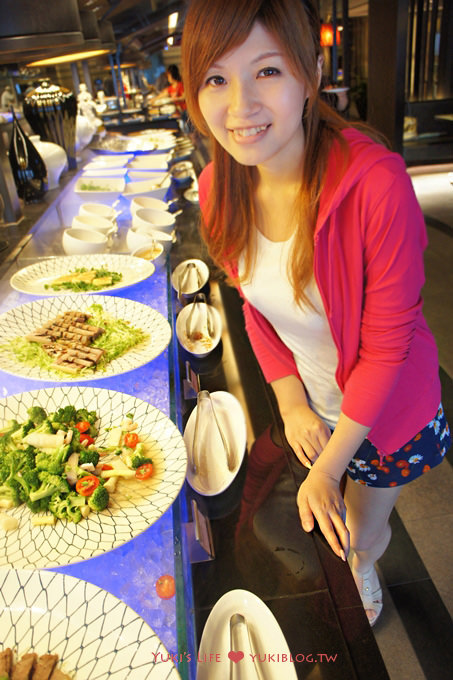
<point>344,172</point>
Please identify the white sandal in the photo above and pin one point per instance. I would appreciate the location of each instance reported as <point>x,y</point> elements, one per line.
<point>370,593</point>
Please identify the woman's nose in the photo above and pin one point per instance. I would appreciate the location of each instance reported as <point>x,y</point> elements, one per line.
<point>242,98</point>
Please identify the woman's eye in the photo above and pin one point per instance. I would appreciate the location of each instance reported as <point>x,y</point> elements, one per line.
<point>269,71</point>
<point>215,81</point>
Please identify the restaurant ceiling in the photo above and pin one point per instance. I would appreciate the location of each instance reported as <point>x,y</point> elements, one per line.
<point>139,26</point>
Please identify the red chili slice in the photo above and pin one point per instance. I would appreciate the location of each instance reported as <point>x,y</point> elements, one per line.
<point>106,466</point>
<point>86,438</point>
<point>144,471</point>
<point>83,426</point>
<point>86,485</point>
<point>131,440</point>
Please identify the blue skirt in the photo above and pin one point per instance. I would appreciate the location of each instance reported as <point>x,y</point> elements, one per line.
<point>423,452</point>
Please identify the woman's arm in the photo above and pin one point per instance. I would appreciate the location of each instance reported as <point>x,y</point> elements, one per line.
<point>319,496</point>
<point>306,432</point>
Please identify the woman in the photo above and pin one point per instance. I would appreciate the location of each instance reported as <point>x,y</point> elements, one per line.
<point>318,226</point>
<point>174,90</point>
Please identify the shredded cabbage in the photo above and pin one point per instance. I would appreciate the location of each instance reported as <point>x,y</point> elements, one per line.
<point>119,336</point>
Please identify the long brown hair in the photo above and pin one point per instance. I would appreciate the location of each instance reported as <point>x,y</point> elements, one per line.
<point>213,27</point>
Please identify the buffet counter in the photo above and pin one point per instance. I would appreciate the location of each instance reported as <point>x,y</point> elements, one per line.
<point>238,551</point>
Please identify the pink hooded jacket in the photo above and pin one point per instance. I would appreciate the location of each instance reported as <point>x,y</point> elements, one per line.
<point>368,263</point>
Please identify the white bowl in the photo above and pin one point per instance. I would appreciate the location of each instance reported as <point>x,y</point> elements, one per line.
<point>150,162</point>
<point>204,344</point>
<point>83,241</point>
<point>153,251</point>
<point>98,209</point>
<point>102,189</point>
<point>167,240</point>
<point>154,219</point>
<point>151,186</point>
<point>93,223</point>
<point>192,282</point>
<point>136,238</point>
<point>142,202</point>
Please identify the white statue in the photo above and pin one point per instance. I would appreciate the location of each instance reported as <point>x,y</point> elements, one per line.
<point>86,105</point>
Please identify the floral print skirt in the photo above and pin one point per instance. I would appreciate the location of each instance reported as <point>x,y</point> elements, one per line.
<point>423,452</point>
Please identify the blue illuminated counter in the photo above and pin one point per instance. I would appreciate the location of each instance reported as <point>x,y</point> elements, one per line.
<point>130,571</point>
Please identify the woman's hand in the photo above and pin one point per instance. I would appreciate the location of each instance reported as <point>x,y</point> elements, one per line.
<point>319,497</point>
<point>307,433</point>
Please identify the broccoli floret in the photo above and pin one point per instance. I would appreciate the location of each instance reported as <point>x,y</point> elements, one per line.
<point>9,495</point>
<point>41,505</point>
<point>99,499</point>
<point>88,456</point>
<point>50,484</point>
<point>6,441</point>
<point>44,427</point>
<point>28,480</point>
<point>10,427</point>
<point>138,460</point>
<point>22,431</point>
<point>37,415</point>
<point>84,414</point>
<point>67,506</point>
<point>63,418</point>
<point>53,462</point>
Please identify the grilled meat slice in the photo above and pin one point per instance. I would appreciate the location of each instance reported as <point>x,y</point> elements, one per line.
<point>24,667</point>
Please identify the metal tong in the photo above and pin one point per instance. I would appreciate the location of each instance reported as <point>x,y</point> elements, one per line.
<point>205,403</point>
<point>241,640</point>
<point>200,298</point>
<point>184,275</point>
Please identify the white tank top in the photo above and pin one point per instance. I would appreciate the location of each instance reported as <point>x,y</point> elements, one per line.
<point>304,331</point>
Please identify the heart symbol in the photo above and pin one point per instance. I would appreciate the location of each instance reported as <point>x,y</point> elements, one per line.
<point>235,656</point>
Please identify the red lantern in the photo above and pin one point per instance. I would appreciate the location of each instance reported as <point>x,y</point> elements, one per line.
<point>327,35</point>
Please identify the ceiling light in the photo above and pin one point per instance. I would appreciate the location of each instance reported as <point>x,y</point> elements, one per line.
<point>170,40</point>
<point>65,58</point>
<point>172,20</point>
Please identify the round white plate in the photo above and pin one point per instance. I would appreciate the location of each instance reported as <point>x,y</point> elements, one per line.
<point>212,475</point>
<point>47,612</point>
<point>133,508</point>
<point>34,278</point>
<point>266,639</point>
<point>25,319</point>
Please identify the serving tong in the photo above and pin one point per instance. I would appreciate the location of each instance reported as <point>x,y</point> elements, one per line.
<point>200,299</point>
<point>241,640</point>
<point>184,276</point>
<point>205,404</point>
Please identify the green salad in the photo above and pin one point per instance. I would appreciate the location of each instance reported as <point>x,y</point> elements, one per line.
<point>82,279</point>
<point>51,463</point>
<point>117,338</point>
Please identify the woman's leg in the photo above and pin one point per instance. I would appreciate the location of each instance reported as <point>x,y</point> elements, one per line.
<point>367,518</point>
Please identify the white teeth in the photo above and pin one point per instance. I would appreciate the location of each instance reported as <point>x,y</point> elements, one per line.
<point>248,132</point>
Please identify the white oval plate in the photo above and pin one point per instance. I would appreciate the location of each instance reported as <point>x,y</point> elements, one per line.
<point>20,321</point>
<point>47,612</point>
<point>266,636</point>
<point>34,278</point>
<point>198,322</point>
<point>231,419</point>
<point>133,508</point>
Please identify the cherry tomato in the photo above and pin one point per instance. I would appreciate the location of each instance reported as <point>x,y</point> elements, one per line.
<point>86,485</point>
<point>131,440</point>
<point>86,438</point>
<point>83,426</point>
<point>165,586</point>
<point>144,471</point>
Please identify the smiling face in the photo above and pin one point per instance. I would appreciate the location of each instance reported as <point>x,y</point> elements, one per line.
<point>253,103</point>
